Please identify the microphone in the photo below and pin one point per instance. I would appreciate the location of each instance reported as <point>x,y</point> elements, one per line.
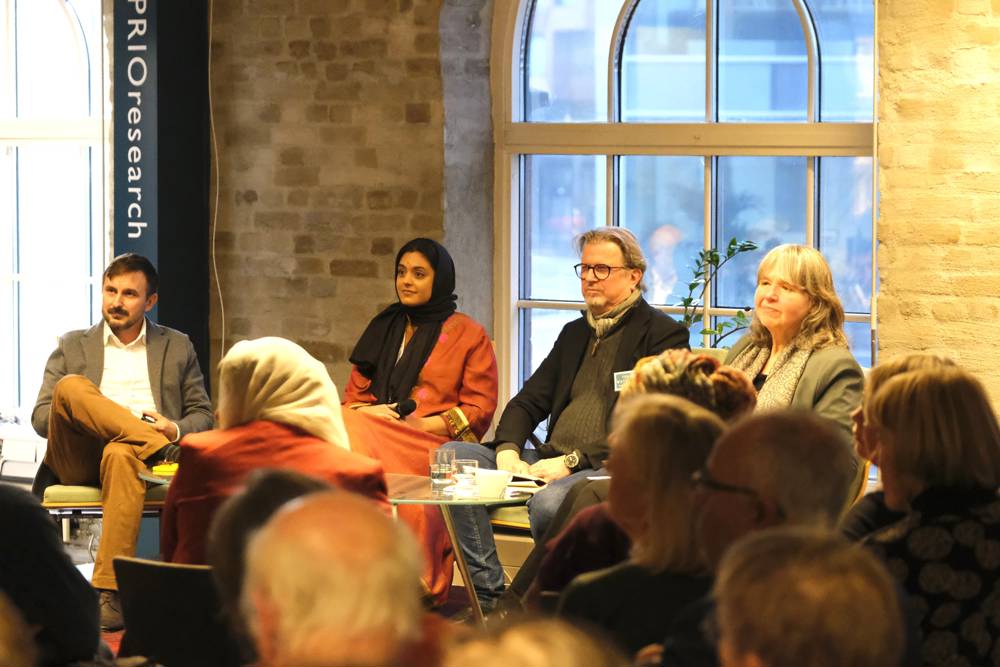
<point>405,407</point>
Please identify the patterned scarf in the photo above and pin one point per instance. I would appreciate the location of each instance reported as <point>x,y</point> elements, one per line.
<point>785,372</point>
<point>604,324</point>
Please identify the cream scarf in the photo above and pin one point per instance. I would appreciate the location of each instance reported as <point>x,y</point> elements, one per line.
<point>274,379</point>
<point>785,373</point>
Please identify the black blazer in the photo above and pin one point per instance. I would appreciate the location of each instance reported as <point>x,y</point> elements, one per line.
<point>646,332</point>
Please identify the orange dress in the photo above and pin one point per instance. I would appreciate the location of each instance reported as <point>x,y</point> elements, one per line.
<point>458,381</point>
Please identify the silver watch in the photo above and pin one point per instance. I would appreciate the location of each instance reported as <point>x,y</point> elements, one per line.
<point>572,460</point>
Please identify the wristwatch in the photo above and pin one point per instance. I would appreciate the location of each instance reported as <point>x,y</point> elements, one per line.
<point>572,460</point>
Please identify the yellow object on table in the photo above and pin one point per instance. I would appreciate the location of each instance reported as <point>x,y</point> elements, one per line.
<point>165,469</point>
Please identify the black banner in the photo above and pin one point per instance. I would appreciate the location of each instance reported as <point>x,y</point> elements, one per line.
<point>136,128</point>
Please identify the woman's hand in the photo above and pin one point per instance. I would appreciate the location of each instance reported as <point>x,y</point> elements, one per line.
<point>382,410</point>
<point>434,424</point>
<point>550,469</point>
<point>510,461</point>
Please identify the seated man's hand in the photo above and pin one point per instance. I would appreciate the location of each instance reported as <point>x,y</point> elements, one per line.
<point>510,461</point>
<point>381,410</point>
<point>550,469</point>
<point>163,425</point>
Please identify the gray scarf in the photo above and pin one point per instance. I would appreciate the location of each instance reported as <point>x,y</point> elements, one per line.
<point>785,372</point>
<point>608,322</point>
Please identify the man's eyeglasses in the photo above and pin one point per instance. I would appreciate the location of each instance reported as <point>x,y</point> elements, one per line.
<point>600,271</point>
<point>704,478</point>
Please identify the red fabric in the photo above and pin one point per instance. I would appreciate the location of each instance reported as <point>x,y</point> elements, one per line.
<point>214,465</point>
<point>460,371</point>
<point>591,541</point>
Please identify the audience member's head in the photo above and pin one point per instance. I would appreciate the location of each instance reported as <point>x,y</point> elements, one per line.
<point>783,467</point>
<point>533,642</point>
<point>865,438</point>
<point>332,580</point>
<point>17,649</point>
<point>657,442</point>
<point>236,520</point>
<point>789,597</point>
<point>934,428</point>
<point>697,377</point>
<point>274,379</point>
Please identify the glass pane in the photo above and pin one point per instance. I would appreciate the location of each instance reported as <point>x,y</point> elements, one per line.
<point>566,68</point>
<point>41,325</point>
<point>58,43</point>
<point>564,195</point>
<point>540,328</point>
<point>762,62</point>
<point>663,62</point>
<point>663,202</point>
<point>57,241</point>
<point>860,338</point>
<point>845,227</point>
<point>846,32</point>
<point>8,321</point>
<point>760,199</point>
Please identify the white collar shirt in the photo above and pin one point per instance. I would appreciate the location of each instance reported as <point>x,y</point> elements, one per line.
<point>125,379</point>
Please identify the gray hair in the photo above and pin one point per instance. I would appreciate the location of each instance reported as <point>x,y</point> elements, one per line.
<point>801,461</point>
<point>621,237</point>
<point>358,578</point>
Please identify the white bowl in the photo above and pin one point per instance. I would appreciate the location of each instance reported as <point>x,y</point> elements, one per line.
<point>492,482</point>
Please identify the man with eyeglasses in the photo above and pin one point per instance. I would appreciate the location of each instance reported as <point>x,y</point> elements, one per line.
<point>785,468</point>
<point>575,388</point>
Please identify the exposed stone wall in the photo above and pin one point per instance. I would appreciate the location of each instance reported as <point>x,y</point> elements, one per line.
<point>939,181</point>
<point>329,115</point>
<point>468,150</point>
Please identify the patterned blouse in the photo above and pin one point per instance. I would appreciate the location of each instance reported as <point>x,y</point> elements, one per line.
<point>946,555</point>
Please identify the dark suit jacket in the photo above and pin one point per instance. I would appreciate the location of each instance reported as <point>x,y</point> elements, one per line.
<point>174,375</point>
<point>646,332</point>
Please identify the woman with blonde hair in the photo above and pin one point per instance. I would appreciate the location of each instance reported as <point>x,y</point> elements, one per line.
<point>870,512</point>
<point>796,352</point>
<point>657,443</point>
<point>938,443</point>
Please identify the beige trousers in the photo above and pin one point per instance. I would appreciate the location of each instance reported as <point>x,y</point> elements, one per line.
<point>95,441</point>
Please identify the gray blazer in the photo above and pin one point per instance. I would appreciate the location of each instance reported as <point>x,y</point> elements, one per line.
<point>174,375</point>
<point>830,385</point>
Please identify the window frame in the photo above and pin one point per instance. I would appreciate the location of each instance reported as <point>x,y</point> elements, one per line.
<point>514,138</point>
<point>91,132</point>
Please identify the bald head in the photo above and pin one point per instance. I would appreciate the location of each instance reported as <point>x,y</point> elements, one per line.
<point>329,573</point>
<point>783,467</point>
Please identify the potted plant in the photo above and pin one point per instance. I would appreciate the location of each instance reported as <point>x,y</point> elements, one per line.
<point>707,266</point>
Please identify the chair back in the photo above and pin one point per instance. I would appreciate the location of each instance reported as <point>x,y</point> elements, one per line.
<point>173,614</point>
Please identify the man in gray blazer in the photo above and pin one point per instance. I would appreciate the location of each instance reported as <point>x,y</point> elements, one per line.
<point>115,398</point>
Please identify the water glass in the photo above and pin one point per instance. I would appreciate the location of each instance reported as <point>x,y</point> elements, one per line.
<point>465,479</point>
<point>442,463</point>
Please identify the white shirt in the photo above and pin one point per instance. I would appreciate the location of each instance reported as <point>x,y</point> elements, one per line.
<point>125,379</point>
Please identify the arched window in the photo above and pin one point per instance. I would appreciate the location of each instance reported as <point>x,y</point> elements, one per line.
<point>52,201</point>
<point>688,122</point>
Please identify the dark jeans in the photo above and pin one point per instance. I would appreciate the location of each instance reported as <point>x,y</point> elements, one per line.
<point>472,522</point>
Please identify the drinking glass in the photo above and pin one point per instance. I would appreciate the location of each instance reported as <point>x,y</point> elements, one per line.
<point>442,462</point>
<point>465,478</point>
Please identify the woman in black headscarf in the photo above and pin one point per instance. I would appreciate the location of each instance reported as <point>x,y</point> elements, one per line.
<point>423,355</point>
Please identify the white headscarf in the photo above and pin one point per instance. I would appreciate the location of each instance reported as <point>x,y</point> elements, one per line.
<point>276,380</point>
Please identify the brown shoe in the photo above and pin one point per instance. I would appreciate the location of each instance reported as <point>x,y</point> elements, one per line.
<point>111,612</point>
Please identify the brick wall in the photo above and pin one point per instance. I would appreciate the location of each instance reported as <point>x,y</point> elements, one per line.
<point>330,128</point>
<point>939,182</point>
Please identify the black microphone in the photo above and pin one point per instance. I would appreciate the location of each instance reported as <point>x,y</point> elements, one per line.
<point>405,407</point>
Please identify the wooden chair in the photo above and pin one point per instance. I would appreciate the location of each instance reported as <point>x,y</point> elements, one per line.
<point>173,614</point>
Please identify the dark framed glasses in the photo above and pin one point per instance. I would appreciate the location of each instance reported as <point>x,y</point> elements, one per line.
<point>600,271</point>
<point>704,479</point>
